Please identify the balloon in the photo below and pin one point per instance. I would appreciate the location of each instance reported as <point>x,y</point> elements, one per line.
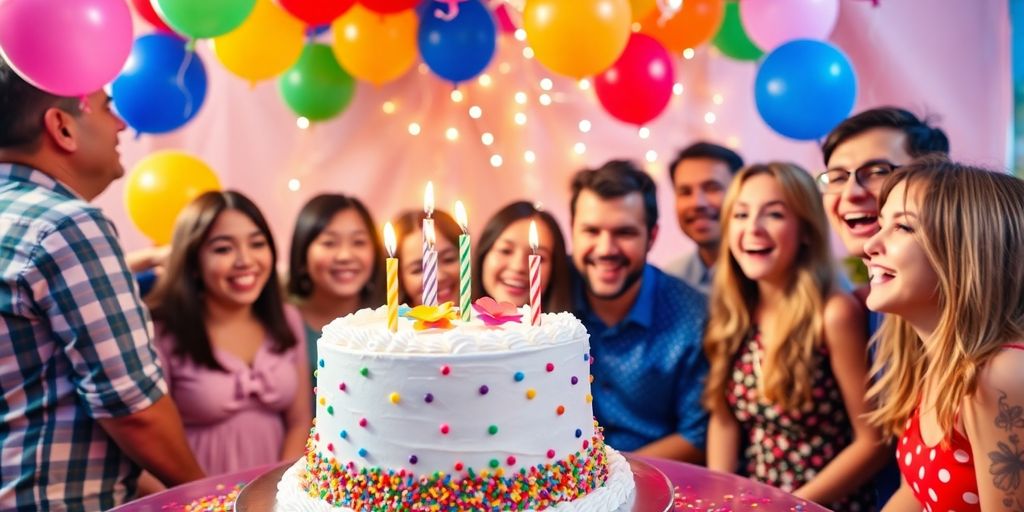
<point>639,85</point>
<point>641,8</point>
<point>731,39</point>
<point>268,43</point>
<point>316,87</point>
<point>504,19</point>
<point>151,94</point>
<point>694,24</point>
<point>375,47</point>
<point>316,12</point>
<point>200,19</point>
<point>459,49</point>
<point>577,38</point>
<point>804,88</point>
<point>67,48</point>
<point>389,6</point>
<point>770,23</point>
<point>145,9</point>
<point>160,186</point>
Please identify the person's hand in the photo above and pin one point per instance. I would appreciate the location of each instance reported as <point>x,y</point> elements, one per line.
<point>148,258</point>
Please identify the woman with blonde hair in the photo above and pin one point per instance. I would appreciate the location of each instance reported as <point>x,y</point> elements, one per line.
<point>947,267</point>
<point>787,350</point>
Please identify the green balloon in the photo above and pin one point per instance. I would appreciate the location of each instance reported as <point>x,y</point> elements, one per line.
<point>731,39</point>
<point>316,87</point>
<point>201,19</point>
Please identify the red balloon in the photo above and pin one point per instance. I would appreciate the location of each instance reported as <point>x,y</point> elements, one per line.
<point>316,12</point>
<point>148,13</point>
<point>639,85</point>
<point>389,6</point>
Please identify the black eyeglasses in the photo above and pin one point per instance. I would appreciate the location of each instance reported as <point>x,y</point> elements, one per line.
<point>871,175</point>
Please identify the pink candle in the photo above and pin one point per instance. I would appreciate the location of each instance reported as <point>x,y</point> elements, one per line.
<point>429,253</point>
<point>534,260</point>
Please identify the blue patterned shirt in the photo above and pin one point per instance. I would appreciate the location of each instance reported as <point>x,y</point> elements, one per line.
<point>649,369</point>
<point>74,347</point>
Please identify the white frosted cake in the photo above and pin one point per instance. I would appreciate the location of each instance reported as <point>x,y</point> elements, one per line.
<point>470,417</point>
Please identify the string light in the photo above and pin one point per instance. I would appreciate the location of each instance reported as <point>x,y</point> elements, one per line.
<point>717,99</point>
<point>484,80</point>
<point>457,96</point>
<point>414,128</point>
<point>733,142</point>
<point>546,84</point>
<point>527,53</point>
<point>496,160</point>
<point>710,118</point>
<point>520,34</point>
<point>521,98</point>
<point>451,134</point>
<point>487,138</point>
<point>677,89</point>
<point>475,112</point>
<point>584,84</point>
<point>520,118</point>
<point>688,53</point>
<point>644,132</point>
<point>422,68</point>
<point>294,185</point>
<point>651,156</point>
<point>529,156</point>
<point>504,68</point>
<point>544,99</point>
<point>388,107</point>
<point>302,123</point>
<point>584,126</point>
<point>579,148</point>
<point>635,27</point>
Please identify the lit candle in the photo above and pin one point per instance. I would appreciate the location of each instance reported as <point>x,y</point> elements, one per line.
<point>429,253</point>
<point>534,275</point>
<point>392,277</point>
<point>464,261</point>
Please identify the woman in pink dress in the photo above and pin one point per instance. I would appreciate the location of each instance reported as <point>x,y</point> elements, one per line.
<point>232,352</point>
<point>947,267</point>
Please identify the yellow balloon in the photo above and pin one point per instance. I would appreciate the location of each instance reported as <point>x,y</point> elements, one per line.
<point>641,8</point>
<point>161,185</point>
<point>264,46</point>
<point>577,38</point>
<point>375,47</point>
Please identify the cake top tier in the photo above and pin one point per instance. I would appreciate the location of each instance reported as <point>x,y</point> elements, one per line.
<point>366,331</point>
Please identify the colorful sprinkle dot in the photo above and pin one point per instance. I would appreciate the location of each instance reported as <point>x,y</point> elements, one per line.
<point>321,363</point>
<point>314,390</point>
<point>574,380</point>
<point>550,367</point>
<point>429,398</point>
<point>445,429</point>
<point>458,466</point>
<point>519,376</point>
<point>579,433</point>
<point>330,410</point>
<point>364,371</point>
<point>530,393</point>
<point>589,398</point>
<point>586,357</point>
<point>330,447</point>
<point>494,463</point>
<point>316,373</point>
<point>323,401</point>
<point>413,459</point>
<point>362,452</point>
<point>344,434</point>
<point>484,389</point>
<point>551,454</point>
<point>560,410</point>
<point>510,460</point>
<point>585,444</point>
<point>363,422</point>
<point>591,379</point>
<point>445,370</point>
<point>342,386</point>
<point>493,429</point>
<point>394,398</point>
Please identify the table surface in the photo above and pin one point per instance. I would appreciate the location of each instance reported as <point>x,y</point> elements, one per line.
<point>696,489</point>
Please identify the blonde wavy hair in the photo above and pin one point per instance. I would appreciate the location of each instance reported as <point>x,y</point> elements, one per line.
<point>734,297</point>
<point>971,227</point>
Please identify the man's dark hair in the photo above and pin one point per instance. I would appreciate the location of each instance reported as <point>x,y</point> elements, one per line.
<point>706,150</point>
<point>615,179</point>
<point>22,106</point>
<point>921,139</point>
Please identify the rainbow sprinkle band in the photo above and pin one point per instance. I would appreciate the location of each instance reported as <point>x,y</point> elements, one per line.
<point>536,488</point>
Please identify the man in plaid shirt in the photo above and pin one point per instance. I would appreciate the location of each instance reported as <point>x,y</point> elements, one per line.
<point>82,396</point>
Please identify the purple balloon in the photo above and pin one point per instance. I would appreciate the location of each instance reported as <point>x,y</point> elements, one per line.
<point>770,23</point>
<point>66,47</point>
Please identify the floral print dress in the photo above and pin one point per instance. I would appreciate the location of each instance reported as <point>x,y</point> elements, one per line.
<point>784,448</point>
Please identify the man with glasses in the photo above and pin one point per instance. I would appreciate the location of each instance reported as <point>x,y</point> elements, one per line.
<point>859,154</point>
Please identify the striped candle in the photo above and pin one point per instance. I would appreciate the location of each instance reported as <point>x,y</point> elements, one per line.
<point>392,277</point>
<point>429,267</point>
<point>465,292</point>
<point>534,261</point>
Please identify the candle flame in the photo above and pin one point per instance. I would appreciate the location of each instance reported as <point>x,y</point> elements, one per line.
<point>390,241</point>
<point>428,199</point>
<point>461,217</point>
<point>534,238</point>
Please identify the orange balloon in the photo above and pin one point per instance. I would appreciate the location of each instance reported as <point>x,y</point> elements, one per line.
<point>577,38</point>
<point>641,8</point>
<point>375,47</point>
<point>696,23</point>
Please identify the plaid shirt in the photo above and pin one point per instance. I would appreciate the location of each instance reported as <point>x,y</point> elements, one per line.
<point>74,347</point>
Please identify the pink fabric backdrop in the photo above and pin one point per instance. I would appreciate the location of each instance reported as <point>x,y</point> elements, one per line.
<point>946,58</point>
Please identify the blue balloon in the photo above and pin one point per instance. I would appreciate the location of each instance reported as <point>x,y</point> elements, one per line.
<point>162,85</point>
<point>804,88</point>
<point>459,49</point>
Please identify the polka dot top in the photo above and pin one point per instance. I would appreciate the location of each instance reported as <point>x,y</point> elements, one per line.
<point>942,478</point>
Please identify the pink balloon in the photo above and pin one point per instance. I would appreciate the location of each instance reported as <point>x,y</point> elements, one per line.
<point>638,86</point>
<point>66,47</point>
<point>770,23</point>
<point>505,23</point>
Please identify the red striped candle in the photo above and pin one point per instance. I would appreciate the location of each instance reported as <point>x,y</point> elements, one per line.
<point>534,260</point>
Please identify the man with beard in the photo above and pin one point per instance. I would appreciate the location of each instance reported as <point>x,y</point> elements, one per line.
<point>645,326</point>
<point>700,174</point>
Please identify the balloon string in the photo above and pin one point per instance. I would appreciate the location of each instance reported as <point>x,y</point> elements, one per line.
<point>180,79</point>
<point>453,10</point>
<point>668,9</point>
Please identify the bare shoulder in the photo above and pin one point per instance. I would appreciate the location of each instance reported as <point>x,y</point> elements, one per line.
<point>843,310</point>
<point>1001,377</point>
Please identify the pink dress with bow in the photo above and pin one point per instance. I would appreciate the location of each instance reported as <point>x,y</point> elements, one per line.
<point>235,420</point>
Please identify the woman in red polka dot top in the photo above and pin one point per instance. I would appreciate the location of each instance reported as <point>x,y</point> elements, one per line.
<point>947,268</point>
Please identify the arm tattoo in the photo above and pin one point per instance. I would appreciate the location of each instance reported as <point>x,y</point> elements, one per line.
<point>1007,466</point>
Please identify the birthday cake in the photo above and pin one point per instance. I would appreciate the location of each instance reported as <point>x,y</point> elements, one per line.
<point>446,415</point>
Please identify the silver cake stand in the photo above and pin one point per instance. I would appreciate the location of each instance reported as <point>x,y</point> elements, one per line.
<point>653,490</point>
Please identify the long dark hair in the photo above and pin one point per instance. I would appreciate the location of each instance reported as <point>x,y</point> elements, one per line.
<point>313,219</point>
<point>410,221</point>
<point>177,300</point>
<point>557,297</point>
